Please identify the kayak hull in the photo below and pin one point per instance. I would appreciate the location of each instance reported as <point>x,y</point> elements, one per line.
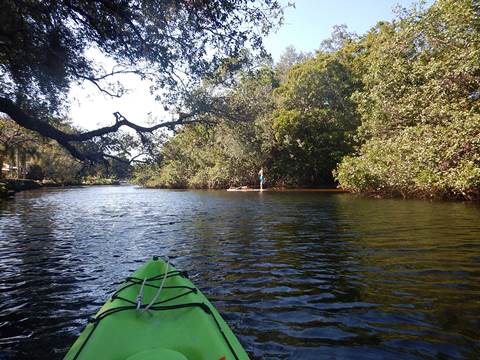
<point>174,323</point>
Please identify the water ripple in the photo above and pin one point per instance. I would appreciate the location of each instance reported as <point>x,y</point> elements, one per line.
<point>296,275</point>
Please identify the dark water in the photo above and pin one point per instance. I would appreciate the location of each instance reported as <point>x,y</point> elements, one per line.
<point>296,275</point>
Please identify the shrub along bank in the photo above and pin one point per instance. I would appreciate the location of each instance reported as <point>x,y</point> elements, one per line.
<point>395,112</point>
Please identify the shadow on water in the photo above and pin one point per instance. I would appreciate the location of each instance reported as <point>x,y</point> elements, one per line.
<point>296,275</point>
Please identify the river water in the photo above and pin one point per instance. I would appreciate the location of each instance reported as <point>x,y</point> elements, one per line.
<point>296,275</point>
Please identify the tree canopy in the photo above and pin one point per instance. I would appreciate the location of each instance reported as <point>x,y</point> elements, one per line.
<point>298,129</point>
<point>393,112</point>
<point>173,43</point>
<point>420,106</point>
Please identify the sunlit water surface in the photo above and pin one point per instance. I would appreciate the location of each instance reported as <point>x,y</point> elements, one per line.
<point>296,275</point>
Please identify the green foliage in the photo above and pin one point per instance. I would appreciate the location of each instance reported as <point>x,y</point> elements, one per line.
<point>422,161</point>
<point>314,120</point>
<point>207,157</point>
<point>225,152</point>
<point>396,112</point>
<point>41,58</point>
<point>288,59</point>
<point>95,180</point>
<point>298,135</point>
<point>3,191</point>
<point>420,106</point>
<point>57,165</point>
<point>46,47</point>
<point>424,69</point>
<point>44,160</point>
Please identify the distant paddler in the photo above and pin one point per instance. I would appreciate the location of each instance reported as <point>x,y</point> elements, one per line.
<point>261,178</point>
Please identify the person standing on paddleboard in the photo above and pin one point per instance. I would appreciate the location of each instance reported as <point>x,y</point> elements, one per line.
<point>261,178</point>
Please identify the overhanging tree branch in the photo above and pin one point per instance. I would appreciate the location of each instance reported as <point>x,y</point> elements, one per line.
<point>67,139</point>
<point>43,51</point>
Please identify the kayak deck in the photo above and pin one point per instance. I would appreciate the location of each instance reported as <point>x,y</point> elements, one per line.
<point>141,322</point>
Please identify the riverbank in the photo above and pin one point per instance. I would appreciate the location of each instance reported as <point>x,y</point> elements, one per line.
<point>366,194</point>
<point>328,189</point>
<point>5,192</point>
<point>8,187</point>
<point>281,189</point>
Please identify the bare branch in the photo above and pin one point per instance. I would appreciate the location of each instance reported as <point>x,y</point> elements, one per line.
<point>103,90</point>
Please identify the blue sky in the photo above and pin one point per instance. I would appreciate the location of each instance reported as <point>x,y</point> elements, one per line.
<point>306,25</point>
<point>311,21</point>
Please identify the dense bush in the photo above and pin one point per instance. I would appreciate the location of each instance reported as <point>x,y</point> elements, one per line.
<point>421,161</point>
<point>420,106</point>
<point>205,157</point>
<point>315,120</point>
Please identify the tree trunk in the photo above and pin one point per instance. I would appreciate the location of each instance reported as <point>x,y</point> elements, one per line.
<point>2,159</point>
<point>17,160</point>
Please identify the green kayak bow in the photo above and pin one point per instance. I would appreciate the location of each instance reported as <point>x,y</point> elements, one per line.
<point>157,313</point>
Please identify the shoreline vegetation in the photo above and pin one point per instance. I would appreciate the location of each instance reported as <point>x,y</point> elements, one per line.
<point>391,113</point>
<point>31,161</point>
<point>8,187</point>
<point>394,112</point>
<point>278,189</point>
